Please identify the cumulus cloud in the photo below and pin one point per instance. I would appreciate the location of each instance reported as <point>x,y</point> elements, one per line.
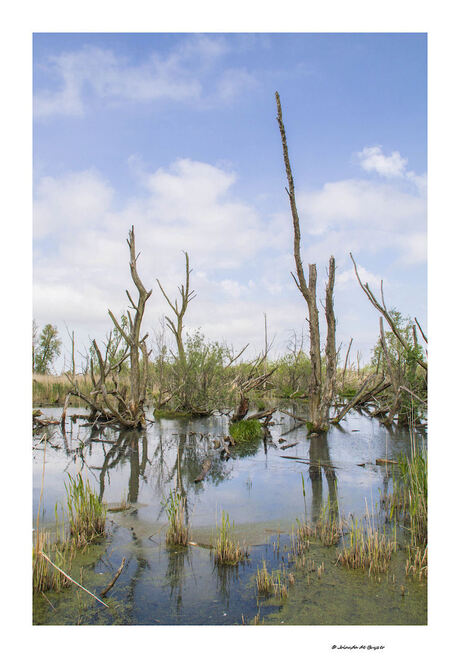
<point>371,158</point>
<point>185,74</point>
<point>241,260</point>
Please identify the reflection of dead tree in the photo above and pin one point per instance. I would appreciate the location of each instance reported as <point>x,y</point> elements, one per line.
<point>320,393</point>
<point>107,401</point>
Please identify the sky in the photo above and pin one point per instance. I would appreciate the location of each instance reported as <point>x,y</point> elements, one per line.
<point>176,134</point>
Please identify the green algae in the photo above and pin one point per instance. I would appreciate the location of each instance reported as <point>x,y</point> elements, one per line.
<point>351,597</point>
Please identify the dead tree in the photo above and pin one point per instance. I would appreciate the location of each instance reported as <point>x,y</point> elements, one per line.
<point>320,393</point>
<point>397,374</point>
<point>186,297</point>
<point>176,325</point>
<point>108,402</point>
<point>381,307</point>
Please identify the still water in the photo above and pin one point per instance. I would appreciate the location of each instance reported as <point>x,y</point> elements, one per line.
<point>260,489</point>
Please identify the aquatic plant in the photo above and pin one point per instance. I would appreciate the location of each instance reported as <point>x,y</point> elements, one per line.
<point>86,512</point>
<point>178,532</point>
<point>275,583</point>
<point>367,549</point>
<point>44,575</point>
<point>410,495</point>
<point>417,562</point>
<point>246,430</point>
<point>228,551</point>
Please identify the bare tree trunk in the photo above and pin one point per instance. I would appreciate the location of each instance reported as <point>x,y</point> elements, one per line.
<point>346,362</point>
<point>319,398</point>
<point>112,404</point>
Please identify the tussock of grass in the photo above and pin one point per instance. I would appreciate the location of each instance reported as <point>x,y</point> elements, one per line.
<point>178,532</point>
<point>275,583</point>
<point>409,499</point>
<point>86,512</point>
<point>168,414</point>
<point>246,430</point>
<point>367,549</point>
<point>417,562</point>
<point>228,551</point>
<point>45,576</point>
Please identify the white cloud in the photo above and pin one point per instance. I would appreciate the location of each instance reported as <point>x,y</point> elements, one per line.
<point>182,75</point>
<point>81,264</point>
<point>371,158</point>
<point>353,203</point>
<point>343,279</point>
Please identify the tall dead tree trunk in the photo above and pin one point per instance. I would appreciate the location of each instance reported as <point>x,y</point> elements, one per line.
<point>320,395</point>
<point>107,402</point>
<point>136,344</point>
<point>177,326</point>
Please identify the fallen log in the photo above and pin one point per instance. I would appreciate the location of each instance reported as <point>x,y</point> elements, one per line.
<point>302,420</point>
<point>360,394</point>
<point>261,414</point>
<point>289,445</point>
<point>204,470</point>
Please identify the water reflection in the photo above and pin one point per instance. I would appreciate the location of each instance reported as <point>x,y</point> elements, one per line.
<point>321,461</point>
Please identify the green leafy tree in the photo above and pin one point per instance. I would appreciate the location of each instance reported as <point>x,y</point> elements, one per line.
<point>47,350</point>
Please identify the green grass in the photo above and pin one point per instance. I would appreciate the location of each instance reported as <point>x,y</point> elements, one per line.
<point>178,532</point>
<point>86,513</point>
<point>246,430</point>
<point>275,583</point>
<point>168,414</point>
<point>228,551</point>
<point>367,549</point>
<point>44,576</point>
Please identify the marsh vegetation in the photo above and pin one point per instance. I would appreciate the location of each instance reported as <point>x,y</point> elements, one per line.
<point>219,453</point>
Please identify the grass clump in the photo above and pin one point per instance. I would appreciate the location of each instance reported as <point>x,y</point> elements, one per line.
<point>246,430</point>
<point>228,551</point>
<point>169,414</point>
<point>44,575</point>
<point>86,512</point>
<point>275,583</point>
<point>367,549</point>
<point>417,562</point>
<point>410,496</point>
<point>178,532</point>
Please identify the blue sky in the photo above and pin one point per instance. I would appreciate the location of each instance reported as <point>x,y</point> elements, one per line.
<point>176,134</point>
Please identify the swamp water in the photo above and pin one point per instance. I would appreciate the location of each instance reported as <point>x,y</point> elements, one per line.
<point>260,487</point>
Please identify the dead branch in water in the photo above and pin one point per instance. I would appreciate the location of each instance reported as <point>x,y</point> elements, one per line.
<point>71,579</point>
<point>115,578</point>
<point>204,470</point>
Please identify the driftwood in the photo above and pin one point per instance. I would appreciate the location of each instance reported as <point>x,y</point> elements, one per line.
<point>71,579</point>
<point>302,420</point>
<point>382,462</point>
<point>289,445</point>
<point>204,470</point>
<point>262,414</point>
<point>301,460</point>
<point>44,422</point>
<point>355,400</point>
<point>115,578</point>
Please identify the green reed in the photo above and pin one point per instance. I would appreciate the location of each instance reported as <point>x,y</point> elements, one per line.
<point>228,551</point>
<point>178,532</point>
<point>86,513</point>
